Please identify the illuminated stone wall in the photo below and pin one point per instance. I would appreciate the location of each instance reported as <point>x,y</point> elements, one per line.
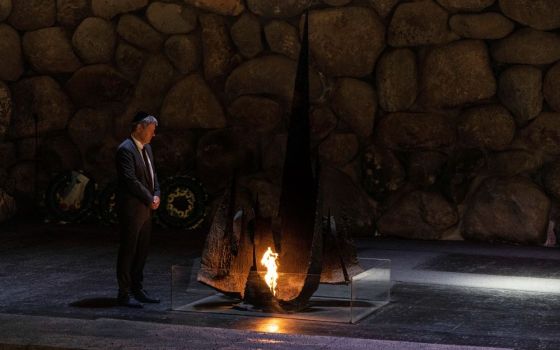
<point>441,118</point>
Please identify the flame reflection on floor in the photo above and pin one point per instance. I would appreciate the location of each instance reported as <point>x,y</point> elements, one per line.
<point>264,341</point>
<point>272,325</point>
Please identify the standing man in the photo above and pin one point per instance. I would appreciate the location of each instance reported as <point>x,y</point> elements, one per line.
<point>138,195</point>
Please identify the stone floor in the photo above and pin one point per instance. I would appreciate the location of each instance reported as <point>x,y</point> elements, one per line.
<point>440,291</point>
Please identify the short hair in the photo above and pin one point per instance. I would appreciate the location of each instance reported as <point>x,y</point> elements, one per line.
<point>148,120</point>
<point>143,118</point>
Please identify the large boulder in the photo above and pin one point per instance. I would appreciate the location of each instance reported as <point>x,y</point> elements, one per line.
<point>171,18</point>
<point>49,50</point>
<point>71,12</point>
<point>217,49</point>
<point>322,121</point>
<point>337,2</point>
<point>220,153</point>
<point>139,33</point>
<point>29,15</point>
<point>527,46</point>
<point>346,41</point>
<point>418,215</point>
<point>543,133</point>
<point>26,182</point>
<point>255,112</point>
<point>99,161</point>
<point>5,9</point>
<point>382,172</point>
<point>57,153</point>
<point>465,5</point>
<point>513,162</point>
<point>97,85</point>
<point>156,78</point>
<point>278,8</point>
<point>5,109</point>
<point>551,87</point>
<point>282,38</point>
<point>38,99</point>
<point>507,209</point>
<point>87,122</point>
<point>110,8</point>
<point>129,60</point>
<point>355,103</point>
<point>191,104</point>
<point>271,75</point>
<point>23,176</point>
<point>339,149</point>
<point>539,14</point>
<point>490,127</point>
<point>94,40</point>
<point>489,25</point>
<point>10,54</point>
<point>246,34</point>
<point>409,131</point>
<point>520,90</point>
<point>397,80</point>
<point>460,171</point>
<point>456,74</point>
<point>175,152</point>
<point>221,7</point>
<point>384,7</point>
<point>419,23</point>
<point>183,52</point>
<point>425,167</point>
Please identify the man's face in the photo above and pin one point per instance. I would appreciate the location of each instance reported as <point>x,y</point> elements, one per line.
<point>145,132</point>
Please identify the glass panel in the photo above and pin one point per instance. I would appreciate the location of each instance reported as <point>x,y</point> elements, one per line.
<point>371,289</point>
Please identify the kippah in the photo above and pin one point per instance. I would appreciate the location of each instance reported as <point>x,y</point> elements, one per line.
<point>139,117</point>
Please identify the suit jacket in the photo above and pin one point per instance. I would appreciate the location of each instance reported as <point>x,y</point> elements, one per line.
<point>134,195</point>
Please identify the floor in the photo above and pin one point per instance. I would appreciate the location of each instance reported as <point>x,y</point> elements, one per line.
<point>455,293</point>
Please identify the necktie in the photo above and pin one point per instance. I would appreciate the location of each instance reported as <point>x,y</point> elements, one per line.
<point>148,168</point>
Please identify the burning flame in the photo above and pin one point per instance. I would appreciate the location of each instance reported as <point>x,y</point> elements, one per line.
<point>269,261</point>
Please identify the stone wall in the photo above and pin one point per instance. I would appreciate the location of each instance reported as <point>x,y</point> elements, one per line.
<point>441,119</point>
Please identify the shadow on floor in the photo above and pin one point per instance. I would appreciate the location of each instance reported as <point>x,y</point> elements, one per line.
<point>94,303</point>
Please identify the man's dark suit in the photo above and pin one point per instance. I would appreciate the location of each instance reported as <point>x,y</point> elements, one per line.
<point>134,199</point>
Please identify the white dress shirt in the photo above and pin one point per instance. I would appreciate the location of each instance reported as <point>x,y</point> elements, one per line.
<point>140,147</point>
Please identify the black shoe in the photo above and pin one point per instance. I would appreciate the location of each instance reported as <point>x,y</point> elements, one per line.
<point>143,297</point>
<point>125,299</point>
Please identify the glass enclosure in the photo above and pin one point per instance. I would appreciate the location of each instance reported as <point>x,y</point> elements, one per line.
<point>348,302</point>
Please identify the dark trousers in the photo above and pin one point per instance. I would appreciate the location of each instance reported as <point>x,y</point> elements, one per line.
<point>133,251</point>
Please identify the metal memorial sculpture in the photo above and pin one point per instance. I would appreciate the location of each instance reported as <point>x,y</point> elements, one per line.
<point>278,267</point>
